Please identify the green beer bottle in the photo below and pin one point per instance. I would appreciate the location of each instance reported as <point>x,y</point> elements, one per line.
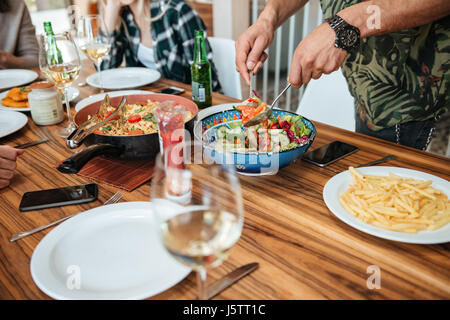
<point>201,73</point>
<point>54,55</point>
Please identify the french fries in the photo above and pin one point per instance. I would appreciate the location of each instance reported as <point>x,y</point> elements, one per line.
<point>396,203</point>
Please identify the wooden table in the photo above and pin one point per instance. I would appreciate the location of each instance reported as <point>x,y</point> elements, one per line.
<point>304,251</point>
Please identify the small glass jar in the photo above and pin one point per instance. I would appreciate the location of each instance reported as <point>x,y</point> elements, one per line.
<point>45,104</point>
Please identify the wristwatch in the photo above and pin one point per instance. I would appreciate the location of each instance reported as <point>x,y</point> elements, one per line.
<point>347,36</point>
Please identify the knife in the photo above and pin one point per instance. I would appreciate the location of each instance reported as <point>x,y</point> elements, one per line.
<point>217,287</point>
<point>30,144</point>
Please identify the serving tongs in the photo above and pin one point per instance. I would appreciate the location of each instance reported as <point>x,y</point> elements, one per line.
<point>263,116</point>
<point>101,110</point>
<point>76,138</point>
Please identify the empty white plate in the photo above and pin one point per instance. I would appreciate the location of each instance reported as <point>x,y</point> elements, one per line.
<point>73,93</point>
<point>99,97</point>
<point>11,78</point>
<point>109,252</point>
<point>123,78</point>
<point>11,121</point>
<point>340,182</point>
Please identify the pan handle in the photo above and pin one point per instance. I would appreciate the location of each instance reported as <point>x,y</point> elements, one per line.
<point>76,161</point>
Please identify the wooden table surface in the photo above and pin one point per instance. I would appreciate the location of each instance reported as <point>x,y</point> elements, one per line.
<point>304,251</point>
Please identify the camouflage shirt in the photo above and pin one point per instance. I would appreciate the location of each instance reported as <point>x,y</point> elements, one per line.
<point>401,76</point>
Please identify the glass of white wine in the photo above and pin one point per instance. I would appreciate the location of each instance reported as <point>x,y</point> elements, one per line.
<point>94,40</point>
<point>199,212</point>
<point>60,62</point>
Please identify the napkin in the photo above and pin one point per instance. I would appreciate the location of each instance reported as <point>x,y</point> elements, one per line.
<point>127,175</point>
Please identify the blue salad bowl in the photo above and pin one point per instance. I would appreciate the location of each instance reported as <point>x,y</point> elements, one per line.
<point>247,162</point>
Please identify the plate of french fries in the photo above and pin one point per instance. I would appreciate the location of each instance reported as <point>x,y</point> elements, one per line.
<point>392,203</point>
<point>16,99</point>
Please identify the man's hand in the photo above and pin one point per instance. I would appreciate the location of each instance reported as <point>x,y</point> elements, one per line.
<point>8,157</point>
<point>316,55</point>
<point>250,48</point>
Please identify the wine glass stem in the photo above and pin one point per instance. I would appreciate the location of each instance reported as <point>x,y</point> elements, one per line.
<point>201,281</point>
<point>66,100</point>
<point>98,64</point>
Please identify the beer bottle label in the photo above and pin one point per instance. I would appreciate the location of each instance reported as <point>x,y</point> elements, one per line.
<point>198,92</point>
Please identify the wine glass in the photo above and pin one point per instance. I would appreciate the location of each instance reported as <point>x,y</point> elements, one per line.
<point>198,211</point>
<point>94,40</point>
<point>60,62</point>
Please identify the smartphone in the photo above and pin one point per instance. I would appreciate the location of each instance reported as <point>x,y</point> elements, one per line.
<point>172,90</point>
<point>329,153</point>
<point>58,197</point>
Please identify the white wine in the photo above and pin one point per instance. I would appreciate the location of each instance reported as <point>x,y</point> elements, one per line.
<point>201,238</point>
<point>62,75</point>
<point>96,51</point>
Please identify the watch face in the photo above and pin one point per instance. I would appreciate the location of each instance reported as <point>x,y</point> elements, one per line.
<point>348,37</point>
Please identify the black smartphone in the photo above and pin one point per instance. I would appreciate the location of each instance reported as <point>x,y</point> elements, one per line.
<point>58,197</point>
<point>172,90</point>
<point>329,153</point>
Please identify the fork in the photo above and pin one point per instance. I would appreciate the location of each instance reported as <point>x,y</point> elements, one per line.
<point>251,84</point>
<point>114,199</point>
<point>371,163</point>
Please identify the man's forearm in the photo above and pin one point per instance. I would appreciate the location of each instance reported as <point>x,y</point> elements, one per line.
<point>276,12</point>
<point>394,15</point>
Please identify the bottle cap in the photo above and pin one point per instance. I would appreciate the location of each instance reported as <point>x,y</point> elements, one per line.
<point>41,85</point>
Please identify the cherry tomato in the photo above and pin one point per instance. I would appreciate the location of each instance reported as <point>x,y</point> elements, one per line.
<point>115,118</point>
<point>135,118</point>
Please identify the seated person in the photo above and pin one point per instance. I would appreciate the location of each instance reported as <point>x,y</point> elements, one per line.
<point>154,35</point>
<point>18,48</point>
<point>8,157</point>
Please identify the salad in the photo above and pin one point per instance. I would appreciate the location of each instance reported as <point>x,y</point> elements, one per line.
<point>274,135</point>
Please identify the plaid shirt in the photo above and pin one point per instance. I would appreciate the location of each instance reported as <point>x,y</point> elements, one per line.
<point>173,42</point>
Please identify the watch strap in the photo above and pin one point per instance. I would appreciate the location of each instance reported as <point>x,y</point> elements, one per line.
<point>336,22</point>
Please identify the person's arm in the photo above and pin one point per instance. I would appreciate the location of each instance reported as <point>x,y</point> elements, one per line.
<point>10,61</point>
<point>83,5</point>
<point>8,157</point>
<point>317,55</point>
<point>395,15</point>
<point>26,54</point>
<point>251,44</point>
<point>111,13</point>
